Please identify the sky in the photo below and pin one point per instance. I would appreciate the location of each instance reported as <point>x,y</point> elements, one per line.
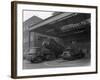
<point>42,14</point>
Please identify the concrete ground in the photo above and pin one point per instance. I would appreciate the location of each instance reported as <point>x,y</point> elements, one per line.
<point>56,63</point>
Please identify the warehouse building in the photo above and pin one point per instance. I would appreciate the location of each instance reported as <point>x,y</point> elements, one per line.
<point>67,29</point>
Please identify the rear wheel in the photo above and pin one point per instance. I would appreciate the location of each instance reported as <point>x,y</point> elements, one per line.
<point>36,60</point>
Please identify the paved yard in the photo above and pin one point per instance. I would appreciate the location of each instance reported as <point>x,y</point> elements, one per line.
<point>56,63</point>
